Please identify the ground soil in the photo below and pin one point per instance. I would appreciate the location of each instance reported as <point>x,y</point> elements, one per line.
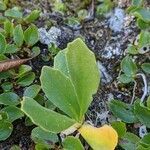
<point>89,30</point>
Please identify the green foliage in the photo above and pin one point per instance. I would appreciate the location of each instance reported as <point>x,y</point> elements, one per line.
<point>142,113</point>
<point>120,127</point>
<point>105,7</point>
<point>128,66</point>
<point>145,142</point>
<point>13,13</point>
<point>2,5</point>
<point>64,86</point>
<point>23,69</point>
<point>123,111</point>
<point>18,35</point>
<point>2,44</point>
<point>32,16</point>
<point>43,138</point>
<point>8,27</point>
<point>59,6</point>
<point>146,67</point>
<point>9,98</point>
<point>129,141</point>
<point>26,80</point>
<point>45,118</point>
<point>71,142</point>
<point>5,129</point>
<point>32,91</point>
<point>60,90</point>
<point>11,48</point>
<point>13,113</point>
<point>142,14</point>
<point>31,35</point>
<point>148,102</point>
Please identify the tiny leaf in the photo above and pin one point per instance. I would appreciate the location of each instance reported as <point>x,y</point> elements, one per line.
<point>13,113</point>
<point>32,16</point>
<point>146,67</point>
<point>18,35</point>
<point>9,98</point>
<point>14,13</point>
<point>122,111</point>
<point>142,113</point>
<point>2,44</point>
<point>128,66</point>
<point>71,142</point>
<point>43,137</point>
<point>5,130</point>
<point>120,127</point>
<point>31,35</point>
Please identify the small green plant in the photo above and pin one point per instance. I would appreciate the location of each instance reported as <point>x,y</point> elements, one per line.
<point>142,14</point>
<point>69,85</point>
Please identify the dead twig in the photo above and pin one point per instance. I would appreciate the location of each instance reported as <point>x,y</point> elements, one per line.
<point>9,64</point>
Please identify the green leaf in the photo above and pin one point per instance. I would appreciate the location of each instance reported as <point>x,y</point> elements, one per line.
<point>8,27</point>
<point>148,102</point>
<point>31,35</point>
<point>3,116</point>
<point>120,127</point>
<point>132,50</point>
<point>23,69</point>
<point>18,35</point>
<point>71,142</point>
<point>129,141</point>
<point>45,118</point>
<point>60,91</point>
<point>143,14</point>
<point>2,44</point>
<point>35,51</point>
<point>11,48</point>
<point>43,137</point>
<point>146,67</point>
<point>2,5</point>
<point>144,39</point>
<point>14,13</point>
<point>122,111</point>
<point>128,66</point>
<point>125,79</point>
<point>32,16</point>
<point>60,62</point>
<point>140,147</point>
<point>145,141</point>
<point>142,113</point>
<point>32,91</point>
<point>5,130</point>
<point>142,24</point>
<point>27,79</point>
<point>7,86</point>
<point>137,2</point>
<point>13,113</point>
<point>84,76</point>
<point>9,98</point>
<point>39,146</point>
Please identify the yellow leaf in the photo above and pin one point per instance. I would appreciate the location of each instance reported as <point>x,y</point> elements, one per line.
<point>103,138</point>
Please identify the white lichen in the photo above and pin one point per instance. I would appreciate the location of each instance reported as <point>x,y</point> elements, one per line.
<point>49,37</point>
<point>116,20</point>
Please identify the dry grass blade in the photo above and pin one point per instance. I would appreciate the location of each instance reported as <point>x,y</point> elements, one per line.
<point>9,64</point>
